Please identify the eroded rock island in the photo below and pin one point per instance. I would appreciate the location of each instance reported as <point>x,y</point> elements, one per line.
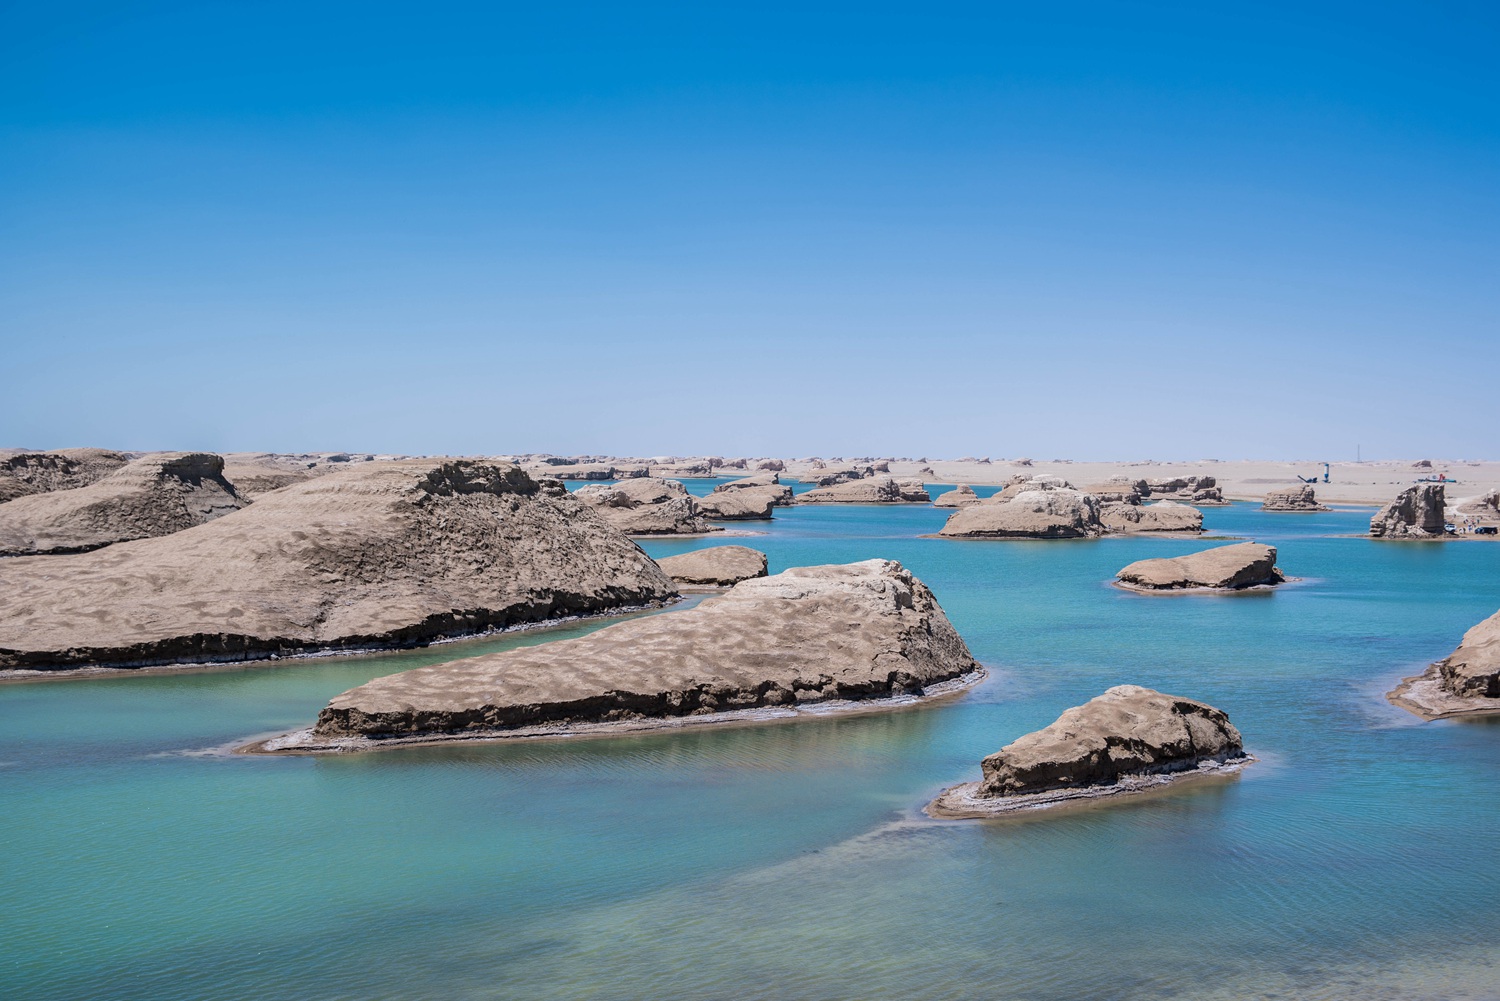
<point>862,631</point>
<point>1127,740</point>
<point>381,554</point>
<point>717,566</point>
<point>1465,683</point>
<point>160,494</point>
<point>1223,568</point>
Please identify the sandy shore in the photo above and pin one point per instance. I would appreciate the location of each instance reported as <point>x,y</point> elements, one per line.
<point>1422,695</point>
<point>306,742</point>
<point>962,802</point>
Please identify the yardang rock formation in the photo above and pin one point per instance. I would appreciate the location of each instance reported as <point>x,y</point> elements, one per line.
<point>647,506</point>
<point>1223,568</point>
<point>1465,683</point>
<point>375,555</point>
<point>717,566</point>
<point>1126,740</point>
<point>859,631</point>
<point>158,495</point>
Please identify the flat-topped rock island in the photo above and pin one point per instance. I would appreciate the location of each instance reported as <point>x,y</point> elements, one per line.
<point>375,556</point>
<point>860,635</point>
<point>1128,740</point>
<point>1237,567</point>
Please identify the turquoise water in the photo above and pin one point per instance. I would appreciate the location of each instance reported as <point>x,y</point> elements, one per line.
<point>789,861</point>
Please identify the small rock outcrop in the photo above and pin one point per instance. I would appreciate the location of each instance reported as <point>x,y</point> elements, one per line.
<point>859,631</point>
<point>771,465</point>
<point>1465,683</point>
<point>158,495</point>
<point>1194,489</point>
<point>1223,568</point>
<point>647,506</point>
<point>718,566</point>
<point>845,474</point>
<point>1419,512</point>
<point>1127,739</point>
<point>751,497</point>
<point>960,496</point>
<point>1163,516</point>
<point>28,473</point>
<point>376,554</point>
<point>1037,509</point>
<point>1293,499</point>
<point>871,490</point>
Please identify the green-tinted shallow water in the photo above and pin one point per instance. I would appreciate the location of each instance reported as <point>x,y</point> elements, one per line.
<point>1356,860</point>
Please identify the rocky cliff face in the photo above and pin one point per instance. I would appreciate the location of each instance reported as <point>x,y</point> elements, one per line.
<point>28,473</point>
<point>647,506</point>
<point>154,496</point>
<point>858,631</point>
<point>873,490</point>
<point>1473,670</point>
<point>1129,730</point>
<point>1293,499</point>
<point>1223,568</point>
<point>1418,513</point>
<point>376,554</point>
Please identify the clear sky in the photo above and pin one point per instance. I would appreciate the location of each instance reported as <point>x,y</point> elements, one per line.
<point>1053,229</point>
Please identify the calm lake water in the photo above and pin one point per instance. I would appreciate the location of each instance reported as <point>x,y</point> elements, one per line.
<point>789,861</point>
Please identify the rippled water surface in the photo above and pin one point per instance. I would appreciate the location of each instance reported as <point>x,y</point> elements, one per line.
<point>1356,860</point>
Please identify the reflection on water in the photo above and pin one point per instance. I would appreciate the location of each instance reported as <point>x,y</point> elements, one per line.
<point>790,861</point>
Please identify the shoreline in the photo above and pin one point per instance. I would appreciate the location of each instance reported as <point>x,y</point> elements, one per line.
<point>1423,696</point>
<point>11,676</point>
<point>959,802</point>
<point>304,742</point>
<point>1248,589</point>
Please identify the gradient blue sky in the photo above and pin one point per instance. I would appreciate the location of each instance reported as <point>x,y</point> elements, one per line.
<point>1064,229</point>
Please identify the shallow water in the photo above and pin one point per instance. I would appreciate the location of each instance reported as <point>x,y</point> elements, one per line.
<point>789,860</point>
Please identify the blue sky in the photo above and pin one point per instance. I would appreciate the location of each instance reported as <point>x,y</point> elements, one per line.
<point>1085,230</point>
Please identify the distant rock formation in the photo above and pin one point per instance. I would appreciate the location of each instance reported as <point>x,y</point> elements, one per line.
<point>960,496</point>
<point>1120,490</point>
<point>1196,489</point>
<point>771,465</point>
<point>1045,507</point>
<point>845,474</point>
<point>1163,516</point>
<point>751,497</point>
<point>1465,683</point>
<point>1128,739</point>
<point>28,473</point>
<point>1223,568</point>
<point>163,493</point>
<point>647,506</point>
<point>1417,513</point>
<point>376,554</point>
<point>1294,499</point>
<point>717,566</point>
<point>876,490</point>
<point>257,473</point>
<point>861,631</point>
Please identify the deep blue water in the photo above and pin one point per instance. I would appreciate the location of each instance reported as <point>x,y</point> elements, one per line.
<point>789,861</point>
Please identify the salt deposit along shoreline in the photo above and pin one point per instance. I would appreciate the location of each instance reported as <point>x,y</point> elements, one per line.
<point>866,634</point>
<point>305,741</point>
